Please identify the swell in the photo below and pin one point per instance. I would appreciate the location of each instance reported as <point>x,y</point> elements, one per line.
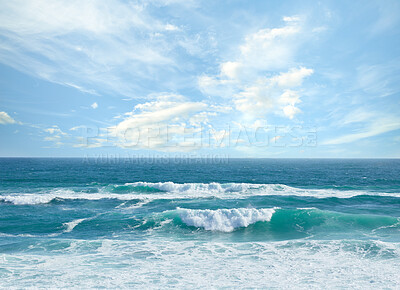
<point>276,222</point>
<point>224,220</point>
<point>243,224</point>
<point>232,189</point>
<point>170,190</point>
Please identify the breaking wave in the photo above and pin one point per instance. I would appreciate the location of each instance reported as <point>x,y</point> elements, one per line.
<point>170,190</point>
<point>274,222</point>
<point>224,220</point>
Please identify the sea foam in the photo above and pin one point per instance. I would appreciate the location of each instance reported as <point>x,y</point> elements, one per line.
<point>171,190</point>
<point>227,190</point>
<point>72,224</point>
<point>224,220</point>
<point>301,264</point>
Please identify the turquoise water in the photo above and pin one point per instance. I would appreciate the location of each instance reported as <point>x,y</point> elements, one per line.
<point>162,223</point>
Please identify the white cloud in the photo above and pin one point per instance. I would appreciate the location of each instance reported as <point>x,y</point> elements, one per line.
<point>213,86</point>
<point>256,100</point>
<point>92,92</point>
<point>76,128</point>
<point>56,135</point>
<point>357,116</point>
<point>231,69</point>
<point>275,138</point>
<point>293,78</point>
<point>6,119</point>
<point>272,95</point>
<point>164,124</point>
<point>270,49</point>
<point>377,127</point>
<point>33,17</point>
<point>87,44</point>
<point>170,27</point>
<point>291,18</point>
<point>290,111</point>
<point>289,97</point>
<point>262,79</point>
<point>388,16</point>
<point>94,105</point>
<point>263,51</point>
<point>55,130</point>
<point>378,80</point>
<point>88,142</point>
<point>169,123</point>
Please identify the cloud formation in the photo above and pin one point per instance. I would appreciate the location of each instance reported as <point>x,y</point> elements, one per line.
<point>374,128</point>
<point>251,81</point>
<point>167,72</point>
<point>162,124</point>
<point>6,119</point>
<point>85,45</point>
<point>55,135</point>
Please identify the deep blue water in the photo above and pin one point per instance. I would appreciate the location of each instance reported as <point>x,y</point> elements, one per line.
<point>199,223</point>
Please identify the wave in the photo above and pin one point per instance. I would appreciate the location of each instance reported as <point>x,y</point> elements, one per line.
<point>242,189</point>
<point>224,220</point>
<point>69,226</point>
<point>27,199</point>
<point>170,190</point>
<point>34,199</point>
<point>246,224</point>
<point>276,222</point>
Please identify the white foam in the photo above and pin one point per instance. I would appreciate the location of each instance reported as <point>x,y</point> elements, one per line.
<point>172,190</point>
<point>134,206</point>
<point>227,190</point>
<point>301,264</point>
<point>43,198</point>
<point>71,225</point>
<point>224,220</point>
<point>18,235</point>
<point>181,187</point>
<point>27,199</point>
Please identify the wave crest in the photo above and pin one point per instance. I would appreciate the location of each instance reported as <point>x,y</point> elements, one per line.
<point>245,189</point>
<point>171,190</point>
<point>224,220</point>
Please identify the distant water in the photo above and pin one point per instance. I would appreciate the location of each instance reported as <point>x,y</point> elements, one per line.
<point>199,223</point>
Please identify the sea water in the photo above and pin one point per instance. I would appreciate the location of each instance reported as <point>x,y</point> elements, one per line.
<point>198,223</point>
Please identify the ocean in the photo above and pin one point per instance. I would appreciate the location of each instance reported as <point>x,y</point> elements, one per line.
<point>199,223</point>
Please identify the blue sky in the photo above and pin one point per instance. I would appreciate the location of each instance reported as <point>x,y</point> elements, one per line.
<point>200,78</point>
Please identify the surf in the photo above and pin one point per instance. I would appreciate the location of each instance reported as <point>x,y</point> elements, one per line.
<point>171,190</point>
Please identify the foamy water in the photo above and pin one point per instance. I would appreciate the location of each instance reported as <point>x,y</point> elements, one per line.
<point>248,224</point>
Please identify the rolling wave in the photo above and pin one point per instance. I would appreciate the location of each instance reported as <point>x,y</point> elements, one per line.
<point>170,190</point>
<point>245,223</point>
<point>275,222</point>
<point>224,220</point>
<point>43,198</point>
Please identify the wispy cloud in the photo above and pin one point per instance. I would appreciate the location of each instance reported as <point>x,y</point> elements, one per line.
<point>388,16</point>
<point>378,80</point>
<point>167,71</point>
<point>6,119</point>
<point>55,135</point>
<point>375,128</point>
<point>84,45</point>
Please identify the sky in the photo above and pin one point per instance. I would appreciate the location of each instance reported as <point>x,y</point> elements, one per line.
<point>188,78</point>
